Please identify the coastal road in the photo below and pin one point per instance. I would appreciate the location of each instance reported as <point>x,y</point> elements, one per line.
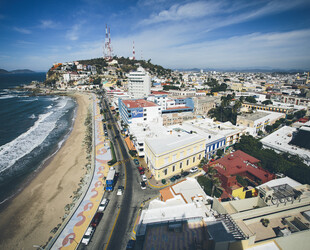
<point>115,228</point>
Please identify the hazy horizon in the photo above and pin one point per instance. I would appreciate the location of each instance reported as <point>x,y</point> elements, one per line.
<point>174,34</point>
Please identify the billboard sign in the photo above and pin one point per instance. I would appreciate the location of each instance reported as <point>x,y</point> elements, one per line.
<point>137,113</point>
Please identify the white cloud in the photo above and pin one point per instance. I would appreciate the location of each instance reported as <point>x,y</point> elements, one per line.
<point>277,49</point>
<point>22,30</point>
<point>74,33</point>
<point>47,24</point>
<point>183,12</point>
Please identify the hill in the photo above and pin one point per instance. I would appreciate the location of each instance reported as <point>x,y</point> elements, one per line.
<point>3,71</point>
<point>126,65</point>
<point>17,71</point>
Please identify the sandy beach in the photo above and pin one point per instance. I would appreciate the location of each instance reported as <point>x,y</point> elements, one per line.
<point>39,208</point>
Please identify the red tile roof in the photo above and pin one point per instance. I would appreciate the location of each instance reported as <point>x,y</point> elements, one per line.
<point>139,103</point>
<point>240,162</point>
<point>159,93</point>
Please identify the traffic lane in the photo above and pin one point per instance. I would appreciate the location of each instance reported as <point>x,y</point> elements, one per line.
<point>125,214</point>
<point>101,234</point>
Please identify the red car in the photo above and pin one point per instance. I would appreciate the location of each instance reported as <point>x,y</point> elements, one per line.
<point>96,219</point>
<point>141,170</point>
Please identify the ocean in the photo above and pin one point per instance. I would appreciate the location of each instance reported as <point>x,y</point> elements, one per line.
<point>32,129</point>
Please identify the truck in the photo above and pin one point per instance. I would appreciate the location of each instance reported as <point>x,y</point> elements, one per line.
<point>110,180</point>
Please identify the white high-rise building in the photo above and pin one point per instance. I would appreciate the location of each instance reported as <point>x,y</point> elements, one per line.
<point>139,83</point>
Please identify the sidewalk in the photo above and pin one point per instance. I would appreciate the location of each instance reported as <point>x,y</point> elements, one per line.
<point>74,230</point>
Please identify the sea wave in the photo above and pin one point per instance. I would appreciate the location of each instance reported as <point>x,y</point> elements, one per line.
<point>11,152</point>
<point>6,96</point>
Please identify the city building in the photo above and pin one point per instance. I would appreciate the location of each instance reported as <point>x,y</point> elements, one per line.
<point>258,120</point>
<point>176,118</point>
<point>139,84</point>
<point>204,104</point>
<point>139,111</point>
<point>281,109</point>
<point>178,220</point>
<point>240,164</point>
<point>173,153</point>
<point>278,218</point>
<point>295,100</point>
<point>280,141</point>
<point>225,132</point>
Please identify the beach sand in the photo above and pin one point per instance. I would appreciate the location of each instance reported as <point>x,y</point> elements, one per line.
<point>30,217</point>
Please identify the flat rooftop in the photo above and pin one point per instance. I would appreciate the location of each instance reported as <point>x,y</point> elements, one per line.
<point>253,116</point>
<point>173,141</point>
<point>138,103</point>
<point>280,139</point>
<point>183,235</point>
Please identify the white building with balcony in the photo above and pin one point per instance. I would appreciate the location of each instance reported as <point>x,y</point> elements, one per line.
<point>139,83</point>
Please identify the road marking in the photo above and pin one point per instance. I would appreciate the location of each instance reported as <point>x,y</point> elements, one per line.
<point>112,230</point>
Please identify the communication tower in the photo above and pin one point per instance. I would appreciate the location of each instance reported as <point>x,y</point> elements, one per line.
<point>107,44</point>
<point>133,51</point>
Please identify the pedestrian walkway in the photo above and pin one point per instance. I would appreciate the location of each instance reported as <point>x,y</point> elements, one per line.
<point>74,230</point>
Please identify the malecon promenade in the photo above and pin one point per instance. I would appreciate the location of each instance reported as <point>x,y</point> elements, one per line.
<point>72,233</point>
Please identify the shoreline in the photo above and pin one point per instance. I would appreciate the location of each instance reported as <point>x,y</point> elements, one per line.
<point>40,207</point>
<point>25,183</point>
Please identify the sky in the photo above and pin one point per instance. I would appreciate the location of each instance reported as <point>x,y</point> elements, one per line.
<point>223,34</point>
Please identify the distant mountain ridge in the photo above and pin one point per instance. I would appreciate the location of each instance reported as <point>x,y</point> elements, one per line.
<point>17,71</point>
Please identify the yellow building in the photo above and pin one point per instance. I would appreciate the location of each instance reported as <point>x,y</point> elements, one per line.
<point>243,193</point>
<point>169,155</point>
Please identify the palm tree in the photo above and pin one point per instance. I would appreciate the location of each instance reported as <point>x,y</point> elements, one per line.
<point>216,185</point>
<point>203,162</point>
<point>211,172</point>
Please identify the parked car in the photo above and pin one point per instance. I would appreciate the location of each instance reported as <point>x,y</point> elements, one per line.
<point>143,177</point>
<point>120,190</point>
<point>88,235</point>
<point>193,170</point>
<point>141,170</point>
<point>143,185</point>
<point>131,244</point>
<point>136,161</point>
<point>172,179</point>
<point>185,173</point>
<point>177,177</point>
<point>96,219</point>
<point>103,205</point>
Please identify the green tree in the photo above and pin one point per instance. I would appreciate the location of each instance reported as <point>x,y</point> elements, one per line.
<point>250,99</point>
<point>266,102</point>
<point>220,152</point>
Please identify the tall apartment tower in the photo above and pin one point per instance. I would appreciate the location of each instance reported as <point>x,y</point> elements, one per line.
<point>139,83</point>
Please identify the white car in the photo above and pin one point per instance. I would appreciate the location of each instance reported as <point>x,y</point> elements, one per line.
<point>143,177</point>
<point>120,190</point>
<point>193,170</point>
<point>103,205</point>
<point>87,236</point>
<point>143,185</point>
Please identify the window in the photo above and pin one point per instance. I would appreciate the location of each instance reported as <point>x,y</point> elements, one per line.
<point>173,168</point>
<point>188,151</point>
<point>193,159</point>
<point>144,119</point>
<point>187,162</point>
<point>165,172</point>
<point>199,157</point>
<point>166,160</point>
<point>174,157</point>
<point>182,154</point>
<point>180,164</point>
